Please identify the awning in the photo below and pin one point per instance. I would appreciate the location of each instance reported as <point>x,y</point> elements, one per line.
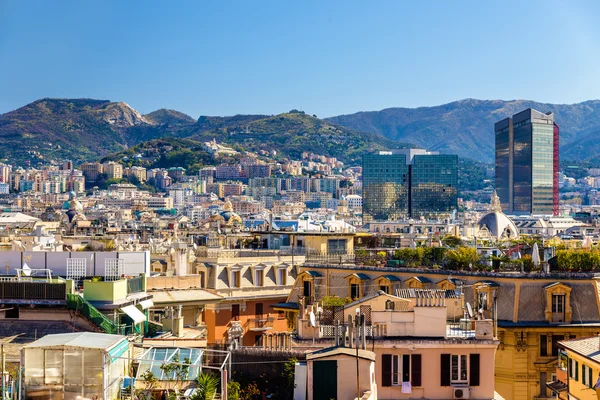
<point>146,304</point>
<point>136,315</point>
<point>557,386</point>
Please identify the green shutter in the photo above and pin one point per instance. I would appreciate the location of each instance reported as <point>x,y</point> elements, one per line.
<point>590,384</point>
<point>576,370</point>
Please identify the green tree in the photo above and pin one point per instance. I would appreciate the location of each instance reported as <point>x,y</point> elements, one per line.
<point>410,257</point>
<point>463,258</point>
<point>452,241</point>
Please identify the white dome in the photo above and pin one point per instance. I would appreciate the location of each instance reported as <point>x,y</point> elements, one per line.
<point>499,225</point>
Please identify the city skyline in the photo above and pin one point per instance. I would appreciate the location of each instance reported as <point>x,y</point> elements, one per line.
<point>328,59</point>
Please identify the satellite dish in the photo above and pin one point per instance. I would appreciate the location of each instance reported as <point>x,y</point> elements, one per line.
<point>313,319</point>
<point>470,310</point>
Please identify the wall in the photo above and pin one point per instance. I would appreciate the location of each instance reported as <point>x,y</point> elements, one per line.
<point>517,374</point>
<point>135,263</point>
<point>173,282</point>
<point>218,318</point>
<point>431,369</point>
<point>110,291</point>
<point>346,375</point>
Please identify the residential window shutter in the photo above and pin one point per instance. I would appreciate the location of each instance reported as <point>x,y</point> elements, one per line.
<point>386,370</point>
<point>415,379</point>
<point>406,368</point>
<point>445,370</point>
<point>474,369</point>
<point>590,384</point>
<point>576,370</point>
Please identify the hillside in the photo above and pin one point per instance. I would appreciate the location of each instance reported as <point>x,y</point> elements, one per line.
<point>55,129</point>
<point>466,127</point>
<point>292,133</point>
<point>169,117</point>
<point>51,130</point>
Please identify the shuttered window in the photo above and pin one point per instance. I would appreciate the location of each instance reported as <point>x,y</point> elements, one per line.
<point>416,370</point>
<point>445,370</point>
<point>474,366</point>
<point>396,369</point>
<point>386,370</point>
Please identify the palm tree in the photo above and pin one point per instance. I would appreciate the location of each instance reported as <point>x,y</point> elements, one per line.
<point>206,386</point>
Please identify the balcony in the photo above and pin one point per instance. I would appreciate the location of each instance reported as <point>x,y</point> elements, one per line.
<point>316,258</point>
<point>259,324</point>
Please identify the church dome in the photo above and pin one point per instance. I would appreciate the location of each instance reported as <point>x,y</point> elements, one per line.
<point>499,225</point>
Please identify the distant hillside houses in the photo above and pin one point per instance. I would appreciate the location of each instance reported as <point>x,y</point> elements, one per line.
<point>216,149</point>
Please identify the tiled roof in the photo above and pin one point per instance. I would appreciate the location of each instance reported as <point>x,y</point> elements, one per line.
<point>587,347</point>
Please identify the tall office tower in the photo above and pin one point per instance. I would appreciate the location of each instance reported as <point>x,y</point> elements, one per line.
<point>527,163</point>
<point>433,184</point>
<point>408,182</point>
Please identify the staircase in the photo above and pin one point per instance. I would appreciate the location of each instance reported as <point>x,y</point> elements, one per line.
<point>89,312</point>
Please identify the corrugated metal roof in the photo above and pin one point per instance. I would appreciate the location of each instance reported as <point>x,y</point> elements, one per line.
<point>89,340</point>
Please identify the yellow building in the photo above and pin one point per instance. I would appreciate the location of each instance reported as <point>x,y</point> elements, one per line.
<point>578,370</point>
<point>532,312</point>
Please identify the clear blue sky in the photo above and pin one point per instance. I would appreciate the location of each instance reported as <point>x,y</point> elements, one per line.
<point>325,57</point>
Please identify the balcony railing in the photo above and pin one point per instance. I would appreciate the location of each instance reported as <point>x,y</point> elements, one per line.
<point>464,329</point>
<point>32,291</point>
<point>260,323</point>
<point>234,253</point>
<point>329,258</point>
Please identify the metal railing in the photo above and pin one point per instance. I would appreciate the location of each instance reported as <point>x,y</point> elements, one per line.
<point>329,258</point>
<point>259,323</point>
<point>464,329</point>
<point>82,306</point>
<point>32,291</point>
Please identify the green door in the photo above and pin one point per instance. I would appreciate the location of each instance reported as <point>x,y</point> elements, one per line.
<point>324,380</point>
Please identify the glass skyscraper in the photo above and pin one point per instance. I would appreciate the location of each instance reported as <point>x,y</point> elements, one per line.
<point>527,163</point>
<point>385,186</point>
<point>433,185</point>
<point>408,182</point>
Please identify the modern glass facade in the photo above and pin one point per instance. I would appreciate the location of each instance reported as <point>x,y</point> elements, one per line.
<point>385,186</point>
<point>504,141</point>
<point>433,185</point>
<point>526,163</point>
<point>408,182</point>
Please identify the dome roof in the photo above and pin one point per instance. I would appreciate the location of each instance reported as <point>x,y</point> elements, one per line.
<point>499,225</point>
<point>230,217</point>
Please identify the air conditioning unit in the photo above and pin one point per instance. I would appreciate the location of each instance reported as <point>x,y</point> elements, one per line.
<point>461,392</point>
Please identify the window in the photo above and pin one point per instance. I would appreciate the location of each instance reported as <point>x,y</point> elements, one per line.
<point>558,303</point>
<point>586,376</point>
<point>555,340</point>
<point>385,289</point>
<point>336,246</point>
<point>399,368</point>
<point>306,290</point>
<point>459,373</point>
<point>543,345</point>
<point>573,369</point>
<point>235,279</point>
<point>354,290</point>
<point>282,276</point>
<point>258,277</point>
<point>235,312</point>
